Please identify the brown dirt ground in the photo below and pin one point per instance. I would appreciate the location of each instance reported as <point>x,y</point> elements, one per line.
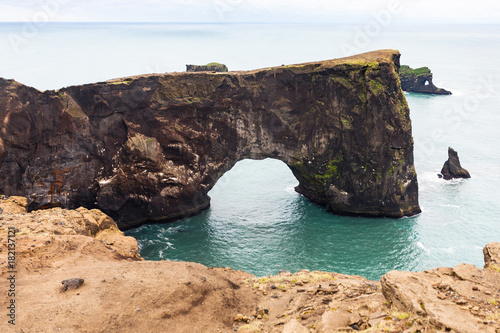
<point>124,293</point>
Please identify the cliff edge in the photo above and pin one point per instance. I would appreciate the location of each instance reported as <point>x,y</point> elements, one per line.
<point>116,291</point>
<point>151,147</point>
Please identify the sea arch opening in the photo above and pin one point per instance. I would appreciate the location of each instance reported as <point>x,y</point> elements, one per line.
<point>255,191</point>
<point>257,222</point>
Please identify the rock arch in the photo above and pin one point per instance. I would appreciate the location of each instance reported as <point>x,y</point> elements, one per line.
<point>150,147</point>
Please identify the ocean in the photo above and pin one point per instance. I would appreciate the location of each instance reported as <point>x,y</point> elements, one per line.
<point>257,222</point>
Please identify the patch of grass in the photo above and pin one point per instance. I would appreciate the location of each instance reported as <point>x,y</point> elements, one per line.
<point>493,301</point>
<point>376,87</point>
<point>493,316</point>
<point>249,327</point>
<point>332,169</point>
<point>346,122</point>
<point>494,267</point>
<point>286,281</point>
<point>126,81</point>
<point>400,315</point>
<point>408,71</point>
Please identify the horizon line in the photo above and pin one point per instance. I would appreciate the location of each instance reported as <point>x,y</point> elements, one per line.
<point>248,22</point>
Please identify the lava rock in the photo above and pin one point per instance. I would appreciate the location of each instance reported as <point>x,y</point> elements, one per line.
<point>73,283</point>
<point>452,168</point>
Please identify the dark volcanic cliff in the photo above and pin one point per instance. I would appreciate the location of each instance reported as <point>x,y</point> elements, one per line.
<point>151,147</point>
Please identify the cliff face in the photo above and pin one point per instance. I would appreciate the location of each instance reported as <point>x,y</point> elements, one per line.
<point>151,147</point>
<point>420,81</point>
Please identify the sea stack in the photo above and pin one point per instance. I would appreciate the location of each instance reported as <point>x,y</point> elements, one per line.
<point>452,168</point>
<point>419,80</point>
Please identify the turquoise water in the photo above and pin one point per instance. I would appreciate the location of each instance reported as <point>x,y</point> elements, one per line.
<point>257,222</point>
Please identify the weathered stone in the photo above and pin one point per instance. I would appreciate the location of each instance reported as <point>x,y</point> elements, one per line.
<point>419,80</point>
<point>293,326</point>
<point>241,318</point>
<point>491,254</point>
<point>151,147</point>
<point>332,320</point>
<point>414,292</point>
<point>71,284</point>
<point>452,168</point>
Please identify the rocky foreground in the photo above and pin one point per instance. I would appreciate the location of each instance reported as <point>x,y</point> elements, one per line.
<point>77,272</point>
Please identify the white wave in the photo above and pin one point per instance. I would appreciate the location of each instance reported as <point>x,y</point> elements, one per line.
<point>420,245</point>
<point>291,189</point>
<point>450,250</point>
<point>451,206</point>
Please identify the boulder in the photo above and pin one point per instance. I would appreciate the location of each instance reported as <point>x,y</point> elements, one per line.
<point>491,254</point>
<point>73,283</point>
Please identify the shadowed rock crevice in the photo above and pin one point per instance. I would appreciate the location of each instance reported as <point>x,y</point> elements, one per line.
<point>151,147</point>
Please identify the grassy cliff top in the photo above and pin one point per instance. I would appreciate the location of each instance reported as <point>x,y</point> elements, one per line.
<point>368,59</point>
<point>407,70</point>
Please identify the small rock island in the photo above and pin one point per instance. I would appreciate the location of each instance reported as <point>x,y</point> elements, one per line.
<point>211,67</point>
<point>419,80</point>
<point>452,168</point>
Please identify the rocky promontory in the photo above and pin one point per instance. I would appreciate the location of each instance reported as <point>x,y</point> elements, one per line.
<point>419,80</point>
<point>76,272</point>
<point>149,148</point>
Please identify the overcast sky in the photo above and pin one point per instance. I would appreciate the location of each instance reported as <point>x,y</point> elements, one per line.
<point>327,11</point>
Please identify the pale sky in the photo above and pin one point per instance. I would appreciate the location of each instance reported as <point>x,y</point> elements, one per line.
<point>293,11</point>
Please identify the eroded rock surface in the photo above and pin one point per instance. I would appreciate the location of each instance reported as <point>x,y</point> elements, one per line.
<point>151,147</point>
<point>491,254</point>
